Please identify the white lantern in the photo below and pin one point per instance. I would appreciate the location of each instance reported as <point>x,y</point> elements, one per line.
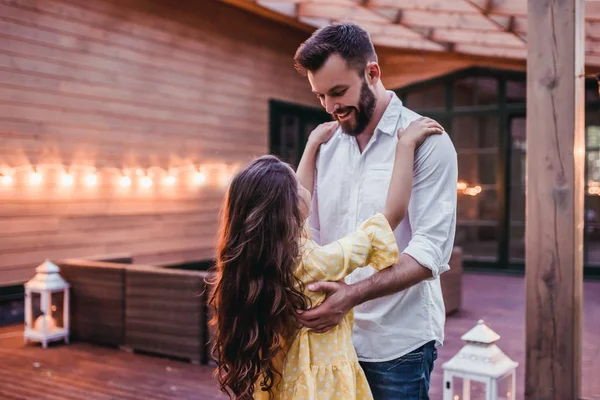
<point>480,370</point>
<point>48,290</point>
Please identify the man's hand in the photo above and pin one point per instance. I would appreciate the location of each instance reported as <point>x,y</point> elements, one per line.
<point>331,312</point>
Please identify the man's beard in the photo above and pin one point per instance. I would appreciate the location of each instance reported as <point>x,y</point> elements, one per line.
<point>362,115</point>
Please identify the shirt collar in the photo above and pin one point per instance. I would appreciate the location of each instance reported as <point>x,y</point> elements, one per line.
<point>389,120</point>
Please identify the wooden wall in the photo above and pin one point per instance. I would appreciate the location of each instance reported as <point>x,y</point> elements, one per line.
<point>119,84</point>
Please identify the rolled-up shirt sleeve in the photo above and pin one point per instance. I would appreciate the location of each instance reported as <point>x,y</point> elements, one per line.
<point>432,208</point>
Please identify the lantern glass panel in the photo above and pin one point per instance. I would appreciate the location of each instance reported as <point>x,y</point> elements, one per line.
<point>505,388</point>
<point>57,308</point>
<point>55,311</point>
<point>465,389</point>
<point>36,307</point>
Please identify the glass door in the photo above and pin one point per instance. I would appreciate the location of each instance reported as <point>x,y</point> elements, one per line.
<point>476,138</point>
<point>517,174</point>
<point>592,190</point>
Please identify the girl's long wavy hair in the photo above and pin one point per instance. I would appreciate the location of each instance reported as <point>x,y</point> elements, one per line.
<point>255,293</point>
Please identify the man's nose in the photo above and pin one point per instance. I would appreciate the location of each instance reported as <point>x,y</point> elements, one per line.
<point>330,105</point>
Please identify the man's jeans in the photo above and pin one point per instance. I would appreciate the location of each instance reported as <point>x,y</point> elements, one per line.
<point>405,378</point>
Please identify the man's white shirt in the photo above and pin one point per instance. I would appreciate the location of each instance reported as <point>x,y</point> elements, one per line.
<point>351,187</point>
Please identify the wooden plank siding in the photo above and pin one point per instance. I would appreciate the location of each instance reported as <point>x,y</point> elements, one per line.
<point>130,83</point>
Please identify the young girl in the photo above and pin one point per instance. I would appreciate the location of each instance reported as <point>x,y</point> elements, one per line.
<point>265,258</point>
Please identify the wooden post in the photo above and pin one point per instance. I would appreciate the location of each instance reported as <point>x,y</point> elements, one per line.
<point>555,193</point>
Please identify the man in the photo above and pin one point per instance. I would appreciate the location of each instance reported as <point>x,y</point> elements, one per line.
<point>399,312</point>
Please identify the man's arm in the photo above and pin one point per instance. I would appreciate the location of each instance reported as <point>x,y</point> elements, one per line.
<point>405,273</point>
<point>432,216</point>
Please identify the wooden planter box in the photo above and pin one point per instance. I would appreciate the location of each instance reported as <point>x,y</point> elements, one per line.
<point>451,282</point>
<point>143,308</point>
<point>165,312</point>
<point>97,300</point>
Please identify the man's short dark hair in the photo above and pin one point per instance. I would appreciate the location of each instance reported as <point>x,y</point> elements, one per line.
<point>348,40</point>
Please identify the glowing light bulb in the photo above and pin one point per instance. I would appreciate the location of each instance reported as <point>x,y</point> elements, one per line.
<point>199,178</point>
<point>91,179</point>
<point>146,182</point>
<point>461,185</point>
<point>67,180</point>
<point>170,180</point>
<point>35,178</point>
<point>125,181</point>
<point>7,179</point>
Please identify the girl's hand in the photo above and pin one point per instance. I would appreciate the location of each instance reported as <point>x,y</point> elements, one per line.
<point>418,131</point>
<point>322,133</point>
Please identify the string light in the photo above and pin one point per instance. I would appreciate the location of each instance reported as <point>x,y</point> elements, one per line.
<point>6,179</point>
<point>125,181</point>
<point>146,182</point>
<point>170,180</point>
<point>67,179</point>
<point>594,188</point>
<point>199,178</point>
<point>35,178</point>
<point>473,191</point>
<point>464,188</point>
<point>91,179</point>
<point>218,175</point>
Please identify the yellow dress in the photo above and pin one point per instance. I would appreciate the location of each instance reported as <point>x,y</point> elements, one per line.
<point>325,366</point>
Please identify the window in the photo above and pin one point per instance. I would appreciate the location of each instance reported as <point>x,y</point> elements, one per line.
<point>427,98</point>
<point>516,91</point>
<point>592,198</point>
<point>476,139</point>
<point>518,156</point>
<point>475,91</point>
<point>291,124</point>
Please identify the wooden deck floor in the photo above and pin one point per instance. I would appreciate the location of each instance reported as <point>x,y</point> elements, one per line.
<point>85,372</point>
<point>82,371</point>
<point>500,302</point>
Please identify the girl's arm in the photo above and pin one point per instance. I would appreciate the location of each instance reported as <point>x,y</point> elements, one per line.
<point>373,243</point>
<point>400,188</point>
<point>306,167</point>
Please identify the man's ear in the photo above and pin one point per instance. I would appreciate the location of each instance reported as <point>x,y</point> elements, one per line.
<point>373,72</point>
